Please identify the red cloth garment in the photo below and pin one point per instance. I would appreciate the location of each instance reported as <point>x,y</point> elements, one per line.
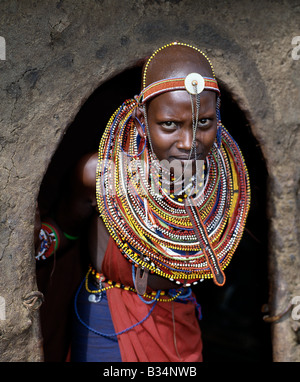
<point>171,333</point>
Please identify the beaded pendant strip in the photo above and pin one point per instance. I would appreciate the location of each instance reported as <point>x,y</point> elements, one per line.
<point>155,230</point>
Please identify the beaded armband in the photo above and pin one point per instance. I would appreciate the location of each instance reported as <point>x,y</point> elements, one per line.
<point>49,239</point>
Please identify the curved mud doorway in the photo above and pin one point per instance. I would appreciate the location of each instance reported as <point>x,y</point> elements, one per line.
<point>232,325</point>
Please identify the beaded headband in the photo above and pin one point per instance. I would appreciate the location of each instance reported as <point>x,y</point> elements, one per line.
<point>189,83</point>
<point>194,83</point>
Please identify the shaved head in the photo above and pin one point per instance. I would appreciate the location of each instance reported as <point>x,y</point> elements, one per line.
<point>176,60</point>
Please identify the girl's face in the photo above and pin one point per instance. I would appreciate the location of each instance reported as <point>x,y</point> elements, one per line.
<point>170,122</point>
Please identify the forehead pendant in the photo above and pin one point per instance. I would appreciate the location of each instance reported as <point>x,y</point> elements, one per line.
<point>194,83</point>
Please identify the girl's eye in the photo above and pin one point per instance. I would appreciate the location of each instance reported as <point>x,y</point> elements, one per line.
<point>169,124</point>
<point>203,122</point>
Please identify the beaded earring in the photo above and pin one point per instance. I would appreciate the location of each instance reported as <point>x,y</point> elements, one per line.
<point>144,137</point>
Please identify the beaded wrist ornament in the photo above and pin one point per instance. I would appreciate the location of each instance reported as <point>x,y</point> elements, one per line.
<point>49,239</point>
<point>186,237</point>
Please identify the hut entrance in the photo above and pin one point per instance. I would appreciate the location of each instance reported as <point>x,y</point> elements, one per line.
<point>232,325</point>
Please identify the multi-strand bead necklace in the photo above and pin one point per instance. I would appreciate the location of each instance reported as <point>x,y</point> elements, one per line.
<point>184,237</point>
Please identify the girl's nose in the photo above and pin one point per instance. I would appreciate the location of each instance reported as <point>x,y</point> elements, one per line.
<point>185,139</point>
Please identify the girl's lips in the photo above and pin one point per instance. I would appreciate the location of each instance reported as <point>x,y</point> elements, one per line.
<point>184,158</point>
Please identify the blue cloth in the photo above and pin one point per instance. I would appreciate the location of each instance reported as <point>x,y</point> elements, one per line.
<point>87,346</point>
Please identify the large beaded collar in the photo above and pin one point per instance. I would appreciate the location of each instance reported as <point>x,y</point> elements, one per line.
<point>185,236</point>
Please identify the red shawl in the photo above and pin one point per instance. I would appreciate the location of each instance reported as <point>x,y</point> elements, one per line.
<point>171,333</point>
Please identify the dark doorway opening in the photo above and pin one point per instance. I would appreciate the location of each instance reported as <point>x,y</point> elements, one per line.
<point>232,325</point>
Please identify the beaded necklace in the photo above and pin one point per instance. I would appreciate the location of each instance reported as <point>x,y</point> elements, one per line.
<point>155,230</point>
<point>185,237</point>
<point>160,295</point>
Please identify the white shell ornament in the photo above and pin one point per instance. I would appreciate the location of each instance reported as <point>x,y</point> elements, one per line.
<point>194,83</point>
<point>95,298</point>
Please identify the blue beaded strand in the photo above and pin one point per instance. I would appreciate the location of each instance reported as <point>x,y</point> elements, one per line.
<point>107,335</point>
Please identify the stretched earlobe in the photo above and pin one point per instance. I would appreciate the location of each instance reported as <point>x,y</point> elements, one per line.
<point>141,128</point>
<point>139,120</point>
